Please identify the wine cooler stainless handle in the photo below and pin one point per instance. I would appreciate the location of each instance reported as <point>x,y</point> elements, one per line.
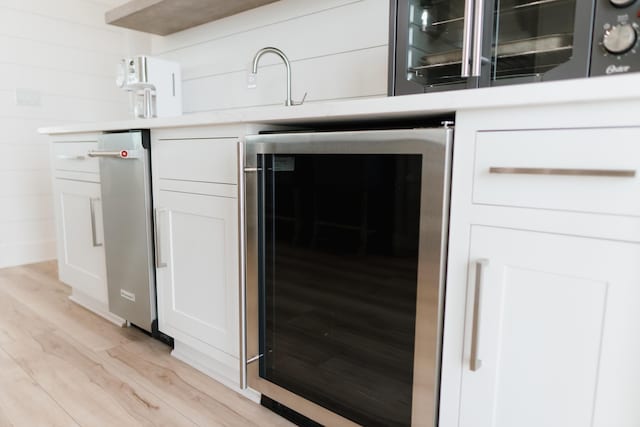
<point>104,154</point>
<point>478,30</point>
<point>157,238</point>
<point>474,360</point>
<point>94,233</point>
<point>467,38</point>
<point>612,173</point>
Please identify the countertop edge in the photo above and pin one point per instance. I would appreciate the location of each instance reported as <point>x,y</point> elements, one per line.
<point>595,89</point>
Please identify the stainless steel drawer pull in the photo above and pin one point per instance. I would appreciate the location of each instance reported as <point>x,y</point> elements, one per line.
<point>94,234</point>
<point>69,157</point>
<point>612,173</point>
<point>157,238</point>
<point>474,361</point>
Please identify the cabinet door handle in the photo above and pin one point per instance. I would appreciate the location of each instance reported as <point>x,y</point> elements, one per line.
<point>611,173</point>
<point>474,360</point>
<point>158,238</point>
<point>94,234</point>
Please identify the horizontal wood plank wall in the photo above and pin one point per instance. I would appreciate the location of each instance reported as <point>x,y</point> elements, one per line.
<point>338,50</point>
<point>66,55</point>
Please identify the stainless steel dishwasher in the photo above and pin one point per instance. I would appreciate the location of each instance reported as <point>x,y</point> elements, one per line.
<point>125,175</point>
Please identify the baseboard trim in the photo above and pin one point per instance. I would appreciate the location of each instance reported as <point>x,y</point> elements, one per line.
<point>206,364</point>
<point>15,254</point>
<point>96,307</point>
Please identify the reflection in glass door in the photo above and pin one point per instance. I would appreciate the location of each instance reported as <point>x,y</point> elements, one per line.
<point>436,34</point>
<point>340,272</point>
<point>531,38</point>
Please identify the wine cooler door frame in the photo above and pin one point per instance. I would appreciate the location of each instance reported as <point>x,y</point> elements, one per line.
<point>435,146</point>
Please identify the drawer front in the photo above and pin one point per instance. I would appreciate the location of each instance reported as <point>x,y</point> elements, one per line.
<point>72,156</point>
<point>201,160</point>
<point>585,170</point>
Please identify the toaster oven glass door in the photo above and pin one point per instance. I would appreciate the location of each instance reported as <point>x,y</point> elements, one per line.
<point>539,40</point>
<point>457,44</point>
<point>432,43</point>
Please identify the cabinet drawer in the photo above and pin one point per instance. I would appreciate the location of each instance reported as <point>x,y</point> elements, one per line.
<point>72,156</point>
<point>586,170</point>
<point>202,160</point>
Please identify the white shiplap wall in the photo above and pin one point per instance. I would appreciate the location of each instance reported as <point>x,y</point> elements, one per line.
<point>63,52</point>
<point>338,49</point>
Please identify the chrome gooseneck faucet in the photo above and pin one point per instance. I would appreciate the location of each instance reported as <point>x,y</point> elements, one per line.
<point>256,59</point>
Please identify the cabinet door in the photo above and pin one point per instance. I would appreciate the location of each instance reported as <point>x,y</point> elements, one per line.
<point>81,257</point>
<point>198,271</point>
<point>555,337</point>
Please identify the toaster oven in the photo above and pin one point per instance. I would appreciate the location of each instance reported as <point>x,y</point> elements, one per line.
<point>456,44</point>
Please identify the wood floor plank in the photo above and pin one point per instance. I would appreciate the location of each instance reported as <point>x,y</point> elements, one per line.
<point>173,378</point>
<point>91,395</point>
<point>49,298</point>
<point>4,419</point>
<point>141,404</point>
<point>201,407</point>
<point>95,373</point>
<point>18,322</point>
<point>151,351</point>
<point>24,403</point>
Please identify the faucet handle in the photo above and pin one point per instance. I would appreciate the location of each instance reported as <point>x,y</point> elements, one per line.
<point>302,101</point>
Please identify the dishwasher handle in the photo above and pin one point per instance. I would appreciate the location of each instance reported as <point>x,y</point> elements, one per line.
<point>121,154</point>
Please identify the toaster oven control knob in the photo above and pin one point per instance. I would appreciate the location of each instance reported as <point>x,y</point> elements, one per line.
<point>622,3</point>
<point>620,39</point>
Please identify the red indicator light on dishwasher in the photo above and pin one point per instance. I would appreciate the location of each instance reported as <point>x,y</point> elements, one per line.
<point>124,154</point>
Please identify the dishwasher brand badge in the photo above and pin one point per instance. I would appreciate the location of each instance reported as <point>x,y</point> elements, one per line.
<point>284,164</point>
<point>128,295</point>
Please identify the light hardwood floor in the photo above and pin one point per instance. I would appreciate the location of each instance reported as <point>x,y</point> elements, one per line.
<point>61,365</point>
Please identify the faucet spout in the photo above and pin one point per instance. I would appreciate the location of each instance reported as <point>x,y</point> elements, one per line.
<point>256,60</point>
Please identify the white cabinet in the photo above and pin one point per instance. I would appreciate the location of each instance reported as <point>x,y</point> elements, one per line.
<point>195,196</point>
<point>197,275</point>
<point>78,217</point>
<point>542,309</point>
<point>555,334</point>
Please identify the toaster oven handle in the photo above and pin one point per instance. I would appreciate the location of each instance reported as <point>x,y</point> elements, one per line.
<point>478,22</point>
<point>467,39</point>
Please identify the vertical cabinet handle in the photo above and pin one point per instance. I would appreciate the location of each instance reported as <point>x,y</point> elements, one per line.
<point>467,39</point>
<point>474,360</point>
<point>477,38</point>
<point>94,234</point>
<point>157,238</point>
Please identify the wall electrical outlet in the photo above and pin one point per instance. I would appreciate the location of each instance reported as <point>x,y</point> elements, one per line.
<point>28,98</point>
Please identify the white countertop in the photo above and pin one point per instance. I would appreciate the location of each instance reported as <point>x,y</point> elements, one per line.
<point>623,87</point>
